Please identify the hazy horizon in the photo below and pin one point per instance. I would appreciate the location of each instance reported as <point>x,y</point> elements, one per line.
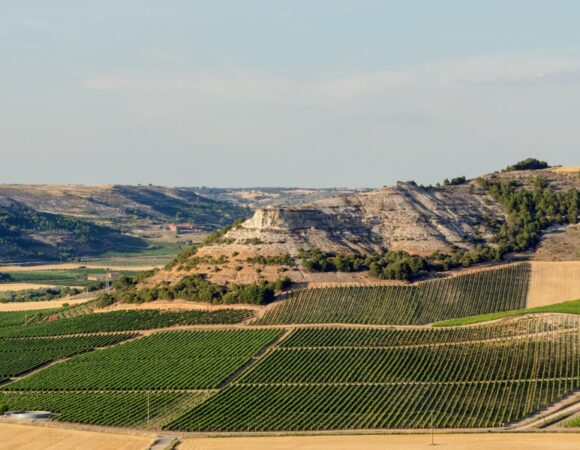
<point>284,94</point>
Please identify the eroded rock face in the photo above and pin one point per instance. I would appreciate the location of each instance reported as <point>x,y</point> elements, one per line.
<point>407,217</point>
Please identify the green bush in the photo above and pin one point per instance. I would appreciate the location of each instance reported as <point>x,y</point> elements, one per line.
<point>528,164</point>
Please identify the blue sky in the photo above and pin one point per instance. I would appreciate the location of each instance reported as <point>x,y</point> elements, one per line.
<point>284,93</point>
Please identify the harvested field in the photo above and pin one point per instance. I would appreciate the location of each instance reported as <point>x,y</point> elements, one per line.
<point>14,287</point>
<point>528,441</point>
<point>35,306</point>
<point>553,282</point>
<point>562,245</point>
<point>28,437</point>
<point>71,266</point>
<point>567,169</point>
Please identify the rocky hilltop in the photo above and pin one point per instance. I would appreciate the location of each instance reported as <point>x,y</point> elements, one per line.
<point>416,219</point>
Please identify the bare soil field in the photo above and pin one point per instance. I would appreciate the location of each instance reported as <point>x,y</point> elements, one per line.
<point>553,282</point>
<point>28,437</point>
<point>563,245</point>
<point>489,441</point>
<point>175,305</point>
<point>35,306</point>
<point>7,287</point>
<point>70,266</point>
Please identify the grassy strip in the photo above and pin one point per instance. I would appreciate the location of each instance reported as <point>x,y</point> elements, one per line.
<point>572,423</point>
<point>570,307</point>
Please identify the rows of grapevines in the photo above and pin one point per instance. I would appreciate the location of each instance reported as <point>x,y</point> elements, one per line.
<point>480,381</point>
<point>466,295</point>
<point>377,337</point>
<point>126,321</point>
<point>17,318</point>
<point>21,355</point>
<point>498,360</point>
<point>101,408</point>
<point>343,407</point>
<point>163,361</point>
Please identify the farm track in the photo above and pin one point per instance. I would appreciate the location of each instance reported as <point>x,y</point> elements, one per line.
<point>553,415</point>
<point>254,360</point>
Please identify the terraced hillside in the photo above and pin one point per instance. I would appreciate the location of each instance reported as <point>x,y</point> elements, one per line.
<point>466,295</point>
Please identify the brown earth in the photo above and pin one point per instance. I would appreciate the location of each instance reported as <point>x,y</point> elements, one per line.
<point>28,437</point>
<point>560,245</point>
<point>175,305</point>
<point>489,441</point>
<point>71,266</point>
<point>553,282</point>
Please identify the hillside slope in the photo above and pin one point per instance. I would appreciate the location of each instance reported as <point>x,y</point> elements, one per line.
<point>408,217</point>
<point>125,207</point>
<point>416,219</point>
<point>30,235</point>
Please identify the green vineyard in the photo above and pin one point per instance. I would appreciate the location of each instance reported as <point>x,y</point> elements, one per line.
<point>19,318</point>
<point>360,407</point>
<point>466,295</point>
<point>163,361</point>
<point>315,376</point>
<point>367,379</point>
<point>122,409</point>
<point>21,355</point>
<point>126,321</point>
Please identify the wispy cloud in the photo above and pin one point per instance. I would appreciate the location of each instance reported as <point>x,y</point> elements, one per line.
<point>499,70</point>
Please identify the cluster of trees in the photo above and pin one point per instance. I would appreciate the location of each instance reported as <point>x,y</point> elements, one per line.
<point>395,265</point>
<point>281,260</point>
<point>454,181</point>
<point>528,164</point>
<point>16,219</point>
<point>37,294</point>
<point>195,288</point>
<point>19,225</point>
<point>530,211</point>
<point>5,277</point>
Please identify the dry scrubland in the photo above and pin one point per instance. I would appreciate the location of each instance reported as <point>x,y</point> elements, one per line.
<point>553,282</point>
<point>25,437</point>
<point>488,441</point>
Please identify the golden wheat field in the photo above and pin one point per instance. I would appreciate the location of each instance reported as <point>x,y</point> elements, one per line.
<point>489,441</point>
<point>27,437</point>
<point>553,282</point>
